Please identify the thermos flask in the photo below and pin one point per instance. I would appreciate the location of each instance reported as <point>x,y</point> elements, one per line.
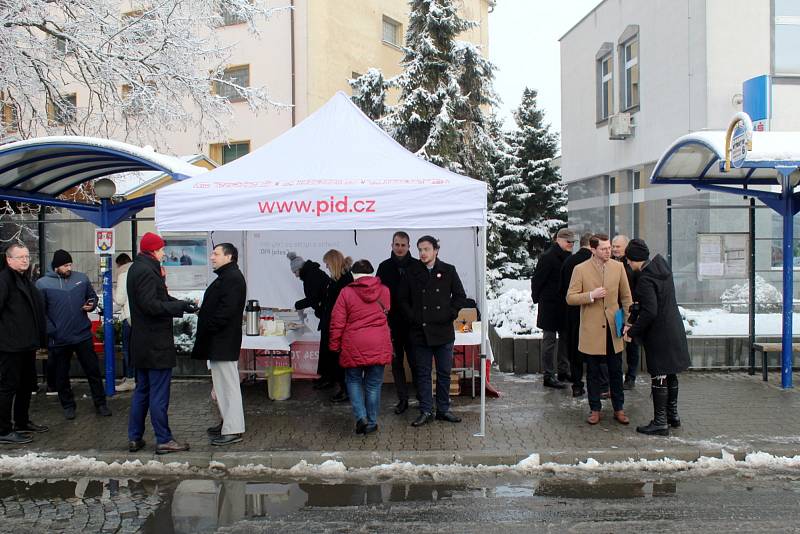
<point>252,312</point>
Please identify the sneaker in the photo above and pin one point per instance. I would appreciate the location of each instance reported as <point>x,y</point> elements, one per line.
<point>171,446</point>
<point>15,438</point>
<point>127,384</point>
<point>215,431</point>
<point>103,410</point>
<point>136,445</point>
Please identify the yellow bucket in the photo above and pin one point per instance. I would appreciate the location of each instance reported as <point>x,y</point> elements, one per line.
<point>279,383</point>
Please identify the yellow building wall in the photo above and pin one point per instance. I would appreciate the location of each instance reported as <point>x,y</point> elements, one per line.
<point>346,36</point>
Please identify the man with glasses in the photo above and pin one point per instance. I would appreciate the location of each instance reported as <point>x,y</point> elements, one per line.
<point>23,330</point>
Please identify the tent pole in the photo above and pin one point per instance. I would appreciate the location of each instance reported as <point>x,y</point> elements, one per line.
<point>481,283</point>
<point>788,277</point>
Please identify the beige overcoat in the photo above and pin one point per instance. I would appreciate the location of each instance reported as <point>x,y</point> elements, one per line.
<point>597,316</point>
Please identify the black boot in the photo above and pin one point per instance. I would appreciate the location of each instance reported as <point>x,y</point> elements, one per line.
<point>673,418</point>
<point>658,426</point>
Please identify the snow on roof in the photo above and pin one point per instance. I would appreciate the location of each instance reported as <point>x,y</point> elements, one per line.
<point>697,155</point>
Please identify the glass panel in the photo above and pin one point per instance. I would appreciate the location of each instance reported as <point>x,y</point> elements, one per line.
<point>607,99</point>
<point>234,151</point>
<point>390,31</point>
<point>787,8</point>
<point>787,43</point>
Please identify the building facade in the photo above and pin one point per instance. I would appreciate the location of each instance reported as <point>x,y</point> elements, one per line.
<point>635,76</point>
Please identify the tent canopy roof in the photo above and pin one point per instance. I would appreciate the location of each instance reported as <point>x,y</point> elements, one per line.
<point>337,154</point>
<point>52,165</point>
<point>699,157</point>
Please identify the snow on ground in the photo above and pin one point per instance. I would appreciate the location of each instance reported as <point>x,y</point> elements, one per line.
<point>513,314</point>
<point>35,465</point>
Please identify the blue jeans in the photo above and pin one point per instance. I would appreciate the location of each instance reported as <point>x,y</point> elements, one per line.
<point>127,365</point>
<point>152,392</point>
<point>364,388</point>
<point>443,354</point>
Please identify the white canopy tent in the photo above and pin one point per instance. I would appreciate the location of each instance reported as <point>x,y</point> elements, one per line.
<point>336,171</point>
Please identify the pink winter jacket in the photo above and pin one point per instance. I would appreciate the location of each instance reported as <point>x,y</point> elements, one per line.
<point>359,328</point>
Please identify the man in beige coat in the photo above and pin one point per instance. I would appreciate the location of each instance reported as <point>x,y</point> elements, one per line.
<point>600,287</point>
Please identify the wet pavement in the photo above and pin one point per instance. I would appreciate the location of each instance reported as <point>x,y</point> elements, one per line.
<point>731,411</point>
<point>723,502</point>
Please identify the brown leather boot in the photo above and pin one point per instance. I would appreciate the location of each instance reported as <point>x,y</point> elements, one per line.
<point>621,417</point>
<point>593,418</point>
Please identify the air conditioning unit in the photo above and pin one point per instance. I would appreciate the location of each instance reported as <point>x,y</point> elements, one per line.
<point>619,126</point>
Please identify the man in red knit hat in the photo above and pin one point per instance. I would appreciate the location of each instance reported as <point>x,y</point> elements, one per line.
<point>152,347</point>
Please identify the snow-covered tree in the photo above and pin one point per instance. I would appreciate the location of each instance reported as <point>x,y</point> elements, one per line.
<point>156,68</point>
<point>541,200</point>
<point>369,93</point>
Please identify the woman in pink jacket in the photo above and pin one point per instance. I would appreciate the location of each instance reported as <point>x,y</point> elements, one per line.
<point>360,332</point>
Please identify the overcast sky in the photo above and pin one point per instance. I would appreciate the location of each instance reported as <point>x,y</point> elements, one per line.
<point>523,44</point>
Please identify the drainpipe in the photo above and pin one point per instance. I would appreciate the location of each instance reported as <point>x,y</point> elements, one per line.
<point>291,51</point>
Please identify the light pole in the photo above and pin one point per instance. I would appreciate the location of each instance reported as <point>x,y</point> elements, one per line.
<point>105,189</point>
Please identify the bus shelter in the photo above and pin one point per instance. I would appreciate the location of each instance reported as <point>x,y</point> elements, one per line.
<point>760,165</point>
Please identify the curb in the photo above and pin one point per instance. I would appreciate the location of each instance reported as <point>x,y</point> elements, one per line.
<point>285,460</point>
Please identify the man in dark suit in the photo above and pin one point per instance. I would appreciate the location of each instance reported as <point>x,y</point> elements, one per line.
<point>23,330</point>
<point>545,292</point>
<point>431,300</point>
<point>393,272</point>
<point>572,315</point>
<point>219,340</point>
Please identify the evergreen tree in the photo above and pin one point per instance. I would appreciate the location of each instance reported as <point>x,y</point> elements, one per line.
<point>369,93</point>
<point>542,204</point>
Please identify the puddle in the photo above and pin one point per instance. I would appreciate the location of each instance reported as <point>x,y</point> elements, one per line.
<point>204,505</point>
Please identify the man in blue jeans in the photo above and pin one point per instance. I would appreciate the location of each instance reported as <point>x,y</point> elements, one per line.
<point>431,298</point>
<point>152,345</point>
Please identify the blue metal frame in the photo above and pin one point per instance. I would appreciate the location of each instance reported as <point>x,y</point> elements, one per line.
<point>104,215</point>
<point>786,204</point>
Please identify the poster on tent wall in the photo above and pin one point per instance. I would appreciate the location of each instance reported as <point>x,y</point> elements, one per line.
<point>271,281</point>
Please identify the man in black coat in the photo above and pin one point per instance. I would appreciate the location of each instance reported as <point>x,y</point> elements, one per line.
<point>659,327</point>
<point>572,315</point>
<point>618,245</point>
<point>315,287</point>
<point>545,291</point>
<point>152,345</point>
<point>23,330</point>
<point>431,299</point>
<point>392,273</point>
<point>219,340</point>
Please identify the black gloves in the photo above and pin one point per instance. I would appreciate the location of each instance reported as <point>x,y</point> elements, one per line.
<point>190,307</point>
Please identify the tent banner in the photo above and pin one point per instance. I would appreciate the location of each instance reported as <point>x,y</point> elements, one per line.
<point>271,281</point>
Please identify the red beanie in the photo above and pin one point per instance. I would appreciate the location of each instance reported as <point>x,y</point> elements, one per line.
<point>151,242</point>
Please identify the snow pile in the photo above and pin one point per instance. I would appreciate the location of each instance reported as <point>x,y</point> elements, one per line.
<point>39,466</point>
<point>513,313</point>
<point>768,298</point>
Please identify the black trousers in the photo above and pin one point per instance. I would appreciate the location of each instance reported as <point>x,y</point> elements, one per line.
<point>328,367</point>
<point>403,348</point>
<point>632,356</point>
<point>577,358</point>
<point>17,370</point>
<point>91,368</point>
<point>594,365</point>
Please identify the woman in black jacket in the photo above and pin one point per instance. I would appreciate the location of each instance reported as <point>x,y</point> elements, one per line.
<point>339,268</point>
<point>659,327</point>
<point>315,284</point>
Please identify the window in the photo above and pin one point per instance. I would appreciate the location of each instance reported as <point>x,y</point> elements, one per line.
<point>354,89</point>
<point>9,114</point>
<point>135,101</point>
<point>612,184</point>
<point>605,88</point>
<point>63,110</point>
<point>630,86</point>
<point>391,31</point>
<point>229,18</point>
<point>786,35</point>
<point>636,180</point>
<point>224,153</point>
<point>238,76</point>
<point>139,26</point>
<point>63,46</point>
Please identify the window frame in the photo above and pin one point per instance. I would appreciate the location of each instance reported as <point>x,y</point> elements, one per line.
<point>627,66</point>
<point>228,18</point>
<point>787,20</point>
<point>235,97</point>
<point>54,113</point>
<point>397,31</point>
<point>217,150</point>
<point>604,95</point>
